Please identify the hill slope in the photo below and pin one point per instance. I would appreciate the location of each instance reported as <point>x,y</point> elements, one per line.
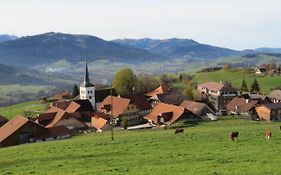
<point>178,48</point>
<point>202,149</point>
<point>5,37</point>
<point>51,47</point>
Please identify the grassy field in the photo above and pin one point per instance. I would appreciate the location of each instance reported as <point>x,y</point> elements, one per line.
<point>31,108</point>
<point>203,149</point>
<point>235,77</point>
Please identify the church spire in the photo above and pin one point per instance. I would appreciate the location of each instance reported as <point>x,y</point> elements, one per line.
<point>86,77</point>
<point>86,82</point>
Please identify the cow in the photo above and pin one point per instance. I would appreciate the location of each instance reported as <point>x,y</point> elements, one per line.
<point>234,135</point>
<point>268,134</point>
<point>179,130</point>
<point>280,127</point>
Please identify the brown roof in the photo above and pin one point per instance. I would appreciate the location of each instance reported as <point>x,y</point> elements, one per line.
<point>195,107</point>
<point>212,86</point>
<point>54,132</point>
<point>139,100</point>
<point>162,108</point>
<point>275,94</point>
<point>98,122</point>
<point>59,115</point>
<point>119,105</point>
<point>162,89</point>
<point>241,104</point>
<point>218,86</point>
<point>45,116</point>
<point>61,104</point>
<point>13,125</point>
<point>64,95</point>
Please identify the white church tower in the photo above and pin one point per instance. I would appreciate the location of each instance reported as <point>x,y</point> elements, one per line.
<point>87,89</point>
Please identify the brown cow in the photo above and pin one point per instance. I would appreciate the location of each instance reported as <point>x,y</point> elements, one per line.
<point>234,135</point>
<point>268,134</point>
<point>179,130</point>
<point>280,127</point>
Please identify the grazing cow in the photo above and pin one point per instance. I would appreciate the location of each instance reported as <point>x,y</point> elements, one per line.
<point>268,134</point>
<point>280,127</point>
<point>234,135</point>
<point>179,130</point>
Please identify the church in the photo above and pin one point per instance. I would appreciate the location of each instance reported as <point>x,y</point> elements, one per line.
<point>87,89</point>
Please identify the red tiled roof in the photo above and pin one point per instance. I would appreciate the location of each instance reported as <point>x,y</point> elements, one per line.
<point>45,116</point>
<point>98,122</point>
<point>212,86</point>
<point>242,104</point>
<point>163,108</point>
<point>162,89</point>
<point>72,107</point>
<point>119,105</point>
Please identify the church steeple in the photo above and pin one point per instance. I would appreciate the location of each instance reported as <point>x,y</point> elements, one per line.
<point>86,82</point>
<point>87,89</point>
<point>86,77</point>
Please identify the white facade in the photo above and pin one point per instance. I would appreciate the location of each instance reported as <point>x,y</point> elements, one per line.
<point>88,93</point>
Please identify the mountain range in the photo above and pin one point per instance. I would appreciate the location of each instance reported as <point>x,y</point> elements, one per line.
<point>5,37</point>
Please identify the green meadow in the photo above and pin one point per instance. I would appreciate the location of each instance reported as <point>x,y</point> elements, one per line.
<point>30,108</point>
<point>266,83</point>
<point>204,148</point>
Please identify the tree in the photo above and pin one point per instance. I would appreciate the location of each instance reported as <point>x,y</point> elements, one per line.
<point>125,123</point>
<point>147,83</point>
<point>255,86</point>
<point>75,91</point>
<point>188,93</point>
<point>124,81</point>
<point>180,78</point>
<point>244,87</point>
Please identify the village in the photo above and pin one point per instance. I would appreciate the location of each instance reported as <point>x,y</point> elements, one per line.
<point>102,110</point>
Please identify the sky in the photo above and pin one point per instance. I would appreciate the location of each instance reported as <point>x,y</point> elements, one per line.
<point>236,24</point>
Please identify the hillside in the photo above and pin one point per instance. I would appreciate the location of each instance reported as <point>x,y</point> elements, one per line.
<point>5,37</point>
<point>203,149</point>
<point>176,48</point>
<point>51,47</point>
<point>267,83</point>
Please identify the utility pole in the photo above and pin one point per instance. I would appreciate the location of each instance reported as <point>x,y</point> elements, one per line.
<point>111,113</point>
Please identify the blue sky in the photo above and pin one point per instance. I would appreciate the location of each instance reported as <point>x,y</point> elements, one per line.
<point>236,24</point>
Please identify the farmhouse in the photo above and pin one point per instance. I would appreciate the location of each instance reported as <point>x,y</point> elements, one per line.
<point>21,130</point>
<point>269,111</point>
<point>169,114</point>
<point>219,94</point>
<point>198,109</point>
<point>275,96</point>
<point>159,94</point>
<point>3,120</point>
<point>242,106</point>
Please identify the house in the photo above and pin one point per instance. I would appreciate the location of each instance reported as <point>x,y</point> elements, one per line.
<point>275,96</point>
<point>100,123</point>
<point>20,130</point>
<point>166,114</point>
<point>158,94</point>
<point>261,99</point>
<point>101,94</point>
<point>64,118</point>
<point>260,71</point>
<point>3,120</point>
<point>218,94</point>
<point>139,101</point>
<point>269,111</point>
<point>122,108</point>
<point>198,109</point>
<point>242,106</point>
<point>63,114</point>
